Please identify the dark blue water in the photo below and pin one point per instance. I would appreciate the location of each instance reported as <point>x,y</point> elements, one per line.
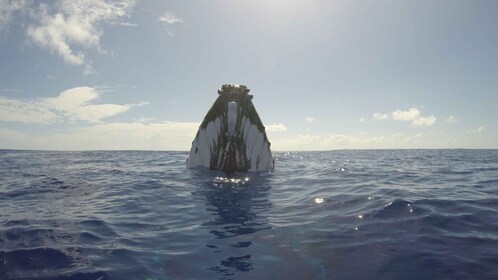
<point>368,214</point>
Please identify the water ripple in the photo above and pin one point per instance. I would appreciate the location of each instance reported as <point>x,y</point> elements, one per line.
<point>366,214</point>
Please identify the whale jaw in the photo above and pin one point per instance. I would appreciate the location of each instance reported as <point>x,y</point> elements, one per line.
<point>232,137</point>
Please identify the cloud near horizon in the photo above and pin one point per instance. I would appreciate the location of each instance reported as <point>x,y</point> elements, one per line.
<point>108,136</point>
<point>319,142</point>
<point>412,115</point>
<point>76,104</point>
<point>276,127</point>
<point>178,136</point>
<point>480,129</point>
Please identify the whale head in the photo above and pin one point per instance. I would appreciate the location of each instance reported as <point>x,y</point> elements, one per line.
<point>234,93</point>
<point>231,137</point>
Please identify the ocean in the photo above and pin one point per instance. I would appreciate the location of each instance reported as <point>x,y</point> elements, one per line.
<point>345,214</point>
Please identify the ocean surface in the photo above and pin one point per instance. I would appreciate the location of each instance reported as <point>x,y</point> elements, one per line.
<point>348,214</point>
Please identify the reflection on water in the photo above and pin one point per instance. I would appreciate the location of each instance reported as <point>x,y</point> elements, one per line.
<point>239,207</point>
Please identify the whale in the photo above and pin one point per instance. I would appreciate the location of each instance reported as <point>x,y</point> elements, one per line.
<point>232,138</point>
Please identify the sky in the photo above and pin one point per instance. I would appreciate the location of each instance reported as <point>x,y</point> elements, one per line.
<point>325,75</point>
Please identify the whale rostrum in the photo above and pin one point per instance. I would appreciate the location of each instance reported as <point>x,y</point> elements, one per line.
<point>231,137</point>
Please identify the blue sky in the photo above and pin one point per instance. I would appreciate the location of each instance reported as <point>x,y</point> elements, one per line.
<point>84,75</point>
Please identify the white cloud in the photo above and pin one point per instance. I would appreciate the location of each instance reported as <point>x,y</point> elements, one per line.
<point>412,115</point>
<point>111,136</point>
<point>309,119</point>
<point>145,120</point>
<point>450,119</point>
<point>276,127</point>
<point>379,116</point>
<point>362,120</point>
<point>170,18</point>
<point>128,24</point>
<point>8,7</point>
<point>139,104</point>
<point>74,104</point>
<point>424,121</point>
<point>477,130</point>
<point>12,110</point>
<point>162,136</point>
<point>70,26</point>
